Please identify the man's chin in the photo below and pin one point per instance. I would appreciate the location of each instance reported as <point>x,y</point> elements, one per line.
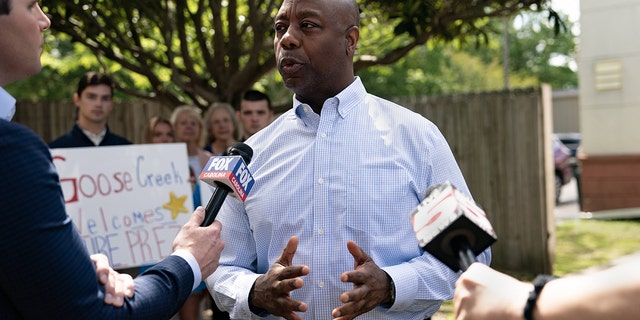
<point>295,84</point>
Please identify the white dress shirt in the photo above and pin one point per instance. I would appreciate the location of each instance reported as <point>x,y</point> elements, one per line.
<point>354,173</point>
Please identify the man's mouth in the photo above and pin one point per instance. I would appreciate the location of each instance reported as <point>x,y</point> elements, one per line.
<point>290,65</point>
<point>291,68</point>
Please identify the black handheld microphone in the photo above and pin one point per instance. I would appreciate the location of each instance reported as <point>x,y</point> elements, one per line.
<point>451,227</point>
<point>228,173</point>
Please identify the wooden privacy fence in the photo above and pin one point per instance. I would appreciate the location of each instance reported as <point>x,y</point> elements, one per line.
<point>502,141</point>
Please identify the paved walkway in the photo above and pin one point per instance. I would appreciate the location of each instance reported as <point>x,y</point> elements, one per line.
<point>568,206</point>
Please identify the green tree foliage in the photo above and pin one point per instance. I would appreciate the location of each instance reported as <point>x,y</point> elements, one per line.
<point>537,55</point>
<point>538,48</point>
<point>202,51</point>
<point>64,63</point>
<point>405,25</point>
<point>443,69</point>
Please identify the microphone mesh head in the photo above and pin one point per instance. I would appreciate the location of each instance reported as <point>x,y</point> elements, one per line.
<point>243,150</point>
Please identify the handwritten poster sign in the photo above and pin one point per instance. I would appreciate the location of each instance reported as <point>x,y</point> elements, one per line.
<point>127,202</point>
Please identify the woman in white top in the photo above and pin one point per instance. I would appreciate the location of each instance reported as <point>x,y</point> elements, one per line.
<point>189,128</point>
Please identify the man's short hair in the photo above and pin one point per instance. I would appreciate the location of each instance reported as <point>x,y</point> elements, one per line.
<point>93,79</point>
<point>255,95</point>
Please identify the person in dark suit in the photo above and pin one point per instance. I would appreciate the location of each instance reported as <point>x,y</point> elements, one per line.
<point>94,103</point>
<point>45,270</point>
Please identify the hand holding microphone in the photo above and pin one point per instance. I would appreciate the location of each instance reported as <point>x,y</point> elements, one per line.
<point>451,227</point>
<point>484,293</point>
<point>227,173</point>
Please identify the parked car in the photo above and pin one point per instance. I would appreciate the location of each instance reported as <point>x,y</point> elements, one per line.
<point>571,140</point>
<point>563,165</point>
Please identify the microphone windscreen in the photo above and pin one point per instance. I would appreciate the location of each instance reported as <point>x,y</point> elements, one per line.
<point>231,170</point>
<point>446,216</point>
<point>243,150</point>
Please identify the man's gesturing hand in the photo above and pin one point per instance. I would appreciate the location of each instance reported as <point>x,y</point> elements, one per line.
<point>271,291</point>
<point>370,286</point>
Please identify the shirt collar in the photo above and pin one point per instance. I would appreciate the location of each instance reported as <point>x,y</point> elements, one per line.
<point>95,138</point>
<point>7,105</point>
<point>347,99</point>
<point>351,97</point>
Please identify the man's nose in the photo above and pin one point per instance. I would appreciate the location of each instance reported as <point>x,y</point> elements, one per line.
<point>290,39</point>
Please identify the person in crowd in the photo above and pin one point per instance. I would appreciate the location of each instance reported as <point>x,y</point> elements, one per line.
<point>189,128</point>
<point>325,232</point>
<point>610,293</point>
<point>159,130</point>
<point>94,103</point>
<point>255,112</point>
<point>223,129</point>
<point>46,271</point>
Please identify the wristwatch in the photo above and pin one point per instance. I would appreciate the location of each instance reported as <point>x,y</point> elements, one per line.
<point>538,283</point>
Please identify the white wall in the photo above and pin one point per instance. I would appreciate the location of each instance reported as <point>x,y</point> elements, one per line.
<point>610,117</point>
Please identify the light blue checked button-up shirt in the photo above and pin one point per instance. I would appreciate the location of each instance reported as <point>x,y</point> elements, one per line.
<point>353,173</point>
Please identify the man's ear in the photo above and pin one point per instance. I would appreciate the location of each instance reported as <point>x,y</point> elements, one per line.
<point>351,40</point>
<point>76,98</point>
